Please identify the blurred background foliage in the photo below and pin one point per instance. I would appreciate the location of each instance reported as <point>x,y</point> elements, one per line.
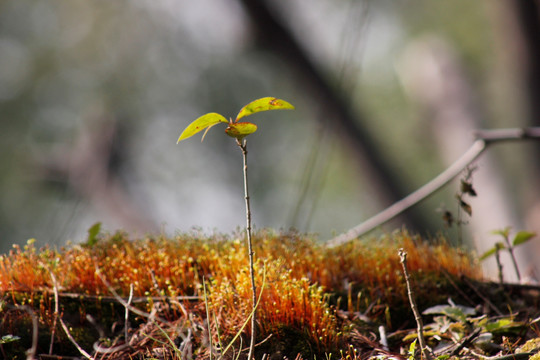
<point>93,96</point>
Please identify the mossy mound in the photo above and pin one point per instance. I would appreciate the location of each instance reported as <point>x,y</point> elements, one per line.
<point>315,300</point>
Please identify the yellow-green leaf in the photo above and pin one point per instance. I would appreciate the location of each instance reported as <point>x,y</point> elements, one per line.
<point>498,247</point>
<point>523,237</point>
<point>240,130</point>
<point>263,104</point>
<point>202,123</point>
<point>93,233</point>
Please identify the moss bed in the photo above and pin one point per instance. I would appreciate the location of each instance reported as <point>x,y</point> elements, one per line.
<point>347,302</point>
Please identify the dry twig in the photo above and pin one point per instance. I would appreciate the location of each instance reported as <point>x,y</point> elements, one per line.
<point>57,312</point>
<point>425,350</point>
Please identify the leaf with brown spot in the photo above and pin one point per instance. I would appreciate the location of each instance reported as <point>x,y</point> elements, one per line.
<point>240,130</point>
<point>263,104</point>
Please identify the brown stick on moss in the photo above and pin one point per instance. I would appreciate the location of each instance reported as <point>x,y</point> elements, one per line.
<point>420,325</point>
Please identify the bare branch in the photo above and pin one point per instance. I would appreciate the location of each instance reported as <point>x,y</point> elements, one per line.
<point>484,138</point>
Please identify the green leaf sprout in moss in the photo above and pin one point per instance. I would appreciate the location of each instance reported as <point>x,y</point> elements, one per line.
<point>520,238</point>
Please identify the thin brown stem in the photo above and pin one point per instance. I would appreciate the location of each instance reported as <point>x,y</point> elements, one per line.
<point>420,324</point>
<point>510,249</point>
<point>243,146</point>
<point>499,266</point>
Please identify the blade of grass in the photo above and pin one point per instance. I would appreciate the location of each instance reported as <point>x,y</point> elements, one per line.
<point>169,340</point>
<point>249,317</point>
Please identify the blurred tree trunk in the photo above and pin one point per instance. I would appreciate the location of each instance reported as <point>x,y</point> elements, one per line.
<point>434,78</point>
<point>337,113</point>
<point>524,16</point>
<point>527,14</point>
<point>92,170</point>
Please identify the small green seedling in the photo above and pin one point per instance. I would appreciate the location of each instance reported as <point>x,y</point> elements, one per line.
<point>239,130</point>
<point>520,238</point>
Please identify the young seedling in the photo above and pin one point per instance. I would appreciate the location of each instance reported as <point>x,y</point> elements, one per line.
<point>520,238</point>
<point>239,130</point>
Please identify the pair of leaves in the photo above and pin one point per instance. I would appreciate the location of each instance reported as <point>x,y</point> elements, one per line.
<point>235,128</point>
<point>520,238</point>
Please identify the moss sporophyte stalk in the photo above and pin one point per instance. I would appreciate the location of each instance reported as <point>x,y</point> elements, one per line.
<point>239,130</point>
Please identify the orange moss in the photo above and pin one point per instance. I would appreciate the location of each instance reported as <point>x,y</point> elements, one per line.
<point>175,266</point>
<point>299,274</point>
<point>286,302</point>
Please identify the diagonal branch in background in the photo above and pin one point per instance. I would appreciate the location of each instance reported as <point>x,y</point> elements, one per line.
<point>338,113</point>
<point>483,139</point>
